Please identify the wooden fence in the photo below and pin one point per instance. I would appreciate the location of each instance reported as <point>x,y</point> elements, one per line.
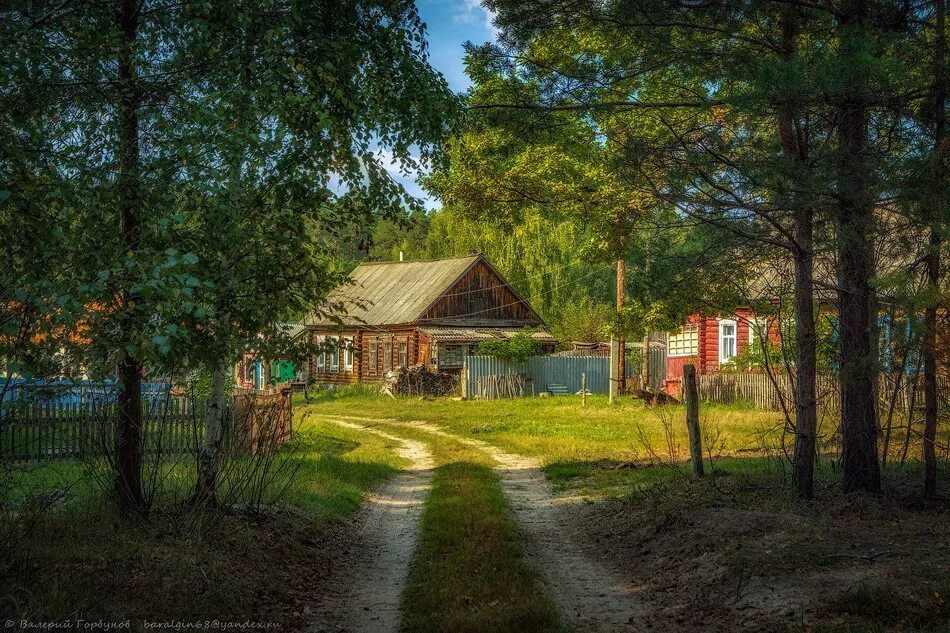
<point>172,426</point>
<point>903,393</point>
<point>56,430</point>
<point>263,420</point>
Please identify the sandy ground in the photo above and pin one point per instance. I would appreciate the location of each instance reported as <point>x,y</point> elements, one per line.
<point>365,592</point>
<point>591,596</point>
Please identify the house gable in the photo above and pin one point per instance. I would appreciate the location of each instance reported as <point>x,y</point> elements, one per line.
<point>481,294</point>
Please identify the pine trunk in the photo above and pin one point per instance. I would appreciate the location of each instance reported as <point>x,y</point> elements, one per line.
<point>929,350</point>
<point>854,225</point>
<point>129,427</point>
<point>806,415</point>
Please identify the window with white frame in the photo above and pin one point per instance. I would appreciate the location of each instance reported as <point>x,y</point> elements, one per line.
<point>333,354</point>
<point>321,360</point>
<point>758,334</point>
<point>685,342</point>
<point>403,353</point>
<point>727,339</point>
<point>348,353</point>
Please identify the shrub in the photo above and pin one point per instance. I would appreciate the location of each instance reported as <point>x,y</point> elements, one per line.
<point>517,349</point>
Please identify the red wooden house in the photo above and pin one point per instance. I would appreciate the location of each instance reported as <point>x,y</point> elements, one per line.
<point>417,312</point>
<point>708,342</point>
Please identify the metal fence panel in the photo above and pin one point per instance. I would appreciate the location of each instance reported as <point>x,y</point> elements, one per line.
<point>539,372</point>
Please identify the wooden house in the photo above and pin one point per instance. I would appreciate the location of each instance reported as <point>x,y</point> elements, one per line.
<point>407,313</point>
<point>708,341</point>
<point>254,372</point>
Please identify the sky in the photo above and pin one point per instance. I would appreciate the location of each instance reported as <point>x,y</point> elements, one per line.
<point>449,24</point>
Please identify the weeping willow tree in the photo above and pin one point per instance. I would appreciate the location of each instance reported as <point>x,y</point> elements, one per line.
<point>545,262</point>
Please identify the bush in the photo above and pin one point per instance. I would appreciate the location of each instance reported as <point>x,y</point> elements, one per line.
<point>517,349</point>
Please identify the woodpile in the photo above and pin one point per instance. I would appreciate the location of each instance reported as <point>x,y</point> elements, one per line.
<point>419,381</point>
<point>501,386</point>
<point>653,397</point>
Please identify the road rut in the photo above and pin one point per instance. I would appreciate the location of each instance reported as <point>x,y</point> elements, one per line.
<point>591,596</point>
<point>365,594</point>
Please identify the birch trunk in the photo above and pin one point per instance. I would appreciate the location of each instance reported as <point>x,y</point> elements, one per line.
<point>209,457</point>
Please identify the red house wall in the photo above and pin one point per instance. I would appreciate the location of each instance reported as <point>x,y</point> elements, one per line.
<point>706,359</point>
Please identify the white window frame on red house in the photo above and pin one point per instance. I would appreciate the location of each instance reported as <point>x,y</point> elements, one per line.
<point>722,338</point>
<point>758,332</point>
<point>686,338</point>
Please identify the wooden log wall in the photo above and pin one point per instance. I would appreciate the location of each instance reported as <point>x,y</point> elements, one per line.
<point>480,294</point>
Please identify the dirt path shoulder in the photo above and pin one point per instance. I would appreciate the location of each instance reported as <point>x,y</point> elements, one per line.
<point>365,592</point>
<point>590,595</point>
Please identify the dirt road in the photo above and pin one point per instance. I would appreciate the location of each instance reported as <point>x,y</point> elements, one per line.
<point>591,596</point>
<point>366,590</point>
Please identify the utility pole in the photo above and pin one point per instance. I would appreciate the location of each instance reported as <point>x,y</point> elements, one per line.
<point>614,353</point>
<point>621,359</point>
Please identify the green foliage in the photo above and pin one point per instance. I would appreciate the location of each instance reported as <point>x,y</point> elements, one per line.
<point>518,348</point>
<point>584,320</point>
<point>260,138</point>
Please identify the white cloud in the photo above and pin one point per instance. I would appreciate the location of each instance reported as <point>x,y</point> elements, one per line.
<point>473,12</point>
<point>409,180</point>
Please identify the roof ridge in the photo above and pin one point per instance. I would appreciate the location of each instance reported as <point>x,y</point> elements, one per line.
<point>419,261</point>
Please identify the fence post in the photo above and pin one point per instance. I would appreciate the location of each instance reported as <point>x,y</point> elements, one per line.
<point>584,388</point>
<point>691,393</point>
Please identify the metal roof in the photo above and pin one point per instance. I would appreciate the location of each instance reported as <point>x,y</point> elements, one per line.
<point>292,328</point>
<point>388,293</point>
<point>477,334</point>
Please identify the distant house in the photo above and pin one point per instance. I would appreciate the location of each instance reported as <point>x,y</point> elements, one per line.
<point>708,341</point>
<point>432,313</point>
<point>252,372</point>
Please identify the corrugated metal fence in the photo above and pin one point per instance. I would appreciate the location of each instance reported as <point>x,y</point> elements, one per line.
<point>538,373</point>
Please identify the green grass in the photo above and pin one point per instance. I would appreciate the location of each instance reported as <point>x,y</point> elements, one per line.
<point>83,557</point>
<point>598,449</point>
<point>468,573</point>
<point>337,467</point>
<point>556,429</point>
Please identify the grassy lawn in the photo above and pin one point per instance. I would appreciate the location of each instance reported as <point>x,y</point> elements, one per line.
<point>80,557</point>
<point>468,573</point>
<point>737,548</point>
<point>597,449</point>
<point>559,429</point>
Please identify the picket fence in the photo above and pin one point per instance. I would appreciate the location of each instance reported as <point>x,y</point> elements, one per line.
<point>63,430</point>
<point>763,392</point>
<point>56,430</point>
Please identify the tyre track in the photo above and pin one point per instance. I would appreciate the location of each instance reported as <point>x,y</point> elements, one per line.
<point>366,590</point>
<point>591,596</point>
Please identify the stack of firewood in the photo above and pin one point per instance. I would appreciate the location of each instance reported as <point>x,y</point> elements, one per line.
<point>419,381</point>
